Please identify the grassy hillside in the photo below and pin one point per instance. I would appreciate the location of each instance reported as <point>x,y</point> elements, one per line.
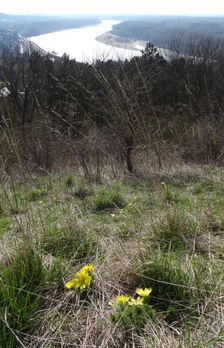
<point>164,233</point>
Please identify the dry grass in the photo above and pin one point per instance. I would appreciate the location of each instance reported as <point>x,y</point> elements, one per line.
<point>123,245</point>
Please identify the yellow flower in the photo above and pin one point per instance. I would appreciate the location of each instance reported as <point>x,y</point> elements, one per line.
<point>143,292</point>
<point>70,284</point>
<point>120,300</point>
<point>82,279</point>
<point>88,268</point>
<point>136,302</point>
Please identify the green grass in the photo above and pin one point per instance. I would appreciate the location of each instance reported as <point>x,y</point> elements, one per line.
<point>174,197</point>
<point>69,181</point>
<point>82,192</point>
<point>20,286</point>
<point>37,194</point>
<point>71,242</point>
<point>5,224</point>
<point>1,209</point>
<point>108,198</point>
<point>180,284</point>
<point>24,283</point>
<point>176,231</point>
<point>209,186</point>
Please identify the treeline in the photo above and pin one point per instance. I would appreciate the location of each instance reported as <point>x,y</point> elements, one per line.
<point>158,29</point>
<point>9,43</point>
<point>128,114</point>
<point>29,26</point>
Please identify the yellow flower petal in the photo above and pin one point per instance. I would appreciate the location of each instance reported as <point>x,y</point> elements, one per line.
<point>70,284</point>
<point>143,292</point>
<point>137,302</point>
<point>88,268</point>
<point>83,279</point>
<point>120,300</point>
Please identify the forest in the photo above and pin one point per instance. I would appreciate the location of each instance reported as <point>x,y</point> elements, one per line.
<point>27,25</point>
<point>159,29</point>
<point>60,108</point>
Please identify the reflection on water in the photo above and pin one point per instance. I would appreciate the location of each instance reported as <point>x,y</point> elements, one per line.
<point>81,44</point>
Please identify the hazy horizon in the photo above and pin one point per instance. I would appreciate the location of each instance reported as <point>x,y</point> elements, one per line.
<point>201,8</point>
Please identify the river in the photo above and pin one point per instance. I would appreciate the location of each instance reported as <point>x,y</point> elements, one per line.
<point>81,43</point>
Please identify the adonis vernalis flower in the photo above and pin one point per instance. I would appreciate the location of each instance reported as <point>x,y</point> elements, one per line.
<point>82,278</point>
<point>136,302</point>
<point>88,268</point>
<point>70,284</point>
<point>143,292</point>
<point>120,300</point>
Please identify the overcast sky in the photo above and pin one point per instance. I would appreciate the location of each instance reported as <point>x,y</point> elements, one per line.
<point>61,7</point>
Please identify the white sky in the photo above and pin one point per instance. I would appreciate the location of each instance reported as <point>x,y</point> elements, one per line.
<point>61,7</point>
